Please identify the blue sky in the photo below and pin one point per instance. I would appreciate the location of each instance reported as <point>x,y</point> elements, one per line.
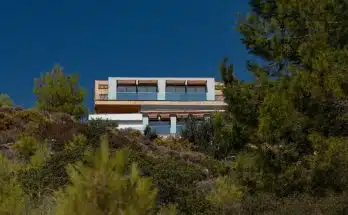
<point>98,39</point>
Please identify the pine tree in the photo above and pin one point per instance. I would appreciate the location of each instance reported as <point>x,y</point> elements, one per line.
<point>57,92</point>
<point>106,186</point>
<point>300,88</point>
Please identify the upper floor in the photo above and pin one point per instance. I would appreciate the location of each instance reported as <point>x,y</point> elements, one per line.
<point>157,89</point>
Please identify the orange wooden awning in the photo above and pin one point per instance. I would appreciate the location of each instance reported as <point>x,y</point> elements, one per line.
<point>147,82</point>
<point>175,82</point>
<point>197,82</point>
<point>126,82</point>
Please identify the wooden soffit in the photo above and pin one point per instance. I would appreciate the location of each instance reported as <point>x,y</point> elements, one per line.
<point>126,82</point>
<point>176,82</point>
<point>153,116</point>
<point>147,82</point>
<point>197,82</point>
<point>162,116</point>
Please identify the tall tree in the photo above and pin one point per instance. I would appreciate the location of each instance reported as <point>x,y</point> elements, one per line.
<point>58,92</point>
<point>300,88</point>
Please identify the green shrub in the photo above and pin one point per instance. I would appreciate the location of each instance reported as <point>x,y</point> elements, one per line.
<point>106,186</point>
<point>174,143</point>
<point>97,128</point>
<point>176,181</point>
<point>52,175</point>
<point>12,197</point>
<point>26,147</point>
<point>5,100</point>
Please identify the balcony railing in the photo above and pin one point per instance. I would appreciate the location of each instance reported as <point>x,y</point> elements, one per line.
<point>137,96</point>
<point>186,96</point>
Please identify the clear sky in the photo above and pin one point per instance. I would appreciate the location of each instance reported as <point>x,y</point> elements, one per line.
<point>98,39</point>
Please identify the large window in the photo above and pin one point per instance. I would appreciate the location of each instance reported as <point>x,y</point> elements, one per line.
<point>175,89</point>
<point>160,127</point>
<point>131,92</point>
<point>196,93</point>
<point>147,89</point>
<point>186,93</point>
<point>126,89</point>
<point>196,89</point>
<point>147,92</point>
<point>175,93</point>
<point>126,92</point>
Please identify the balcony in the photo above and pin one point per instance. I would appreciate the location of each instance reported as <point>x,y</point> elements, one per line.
<point>186,96</point>
<point>141,96</point>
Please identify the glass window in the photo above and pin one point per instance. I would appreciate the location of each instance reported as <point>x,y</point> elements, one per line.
<point>147,89</point>
<point>126,89</point>
<point>160,127</point>
<point>175,89</point>
<point>196,89</point>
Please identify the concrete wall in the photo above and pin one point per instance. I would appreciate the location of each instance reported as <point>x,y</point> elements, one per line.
<point>117,117</point>
<point>211,89</point>
<point>112,95</point>
<point>133,125</point>
<point>134,121</point>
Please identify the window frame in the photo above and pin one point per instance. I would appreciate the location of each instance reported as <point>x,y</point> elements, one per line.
<point>196,87</point>
<point>126,87</point>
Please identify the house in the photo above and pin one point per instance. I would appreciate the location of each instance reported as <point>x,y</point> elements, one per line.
<point>161,103</point>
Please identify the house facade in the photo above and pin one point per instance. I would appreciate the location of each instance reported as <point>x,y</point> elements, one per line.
<point>161,103</point>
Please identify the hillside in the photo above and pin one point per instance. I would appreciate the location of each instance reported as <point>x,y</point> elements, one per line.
<point>178,173</point>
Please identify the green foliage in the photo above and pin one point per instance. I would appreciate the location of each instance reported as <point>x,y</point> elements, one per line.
<point>26,147</point>
<point>97,128</point>
<point>5,100</point>
<point>57,92</point>
<point>329,164</point>
<point>47,173</point>
<point>12,197</point>
<point>105,187</point>
<point>290,122</point>
<point>174,143</point>
<point>149,133</point>
<point>177,182</point>
<point>226,193</point>
<point>212,136</point>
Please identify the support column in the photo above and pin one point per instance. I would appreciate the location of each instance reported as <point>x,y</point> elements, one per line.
<point>145,121</point>
<point>172,124</point>
<point>161,85</point>
<point>211,89</point>
<point>112,92</point>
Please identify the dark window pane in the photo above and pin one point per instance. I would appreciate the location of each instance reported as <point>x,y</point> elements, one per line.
<point>175,89</point>
<point>170,89</point>
<point>196,89</point>
<point>144,89</point>
<point>126,89</point>
<point>160,127</point>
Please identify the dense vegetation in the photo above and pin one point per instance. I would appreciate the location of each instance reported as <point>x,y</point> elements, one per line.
<point>279,148</point>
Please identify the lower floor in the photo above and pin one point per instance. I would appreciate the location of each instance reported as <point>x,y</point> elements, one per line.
<point>163,117</point>
<point>162,124</point>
